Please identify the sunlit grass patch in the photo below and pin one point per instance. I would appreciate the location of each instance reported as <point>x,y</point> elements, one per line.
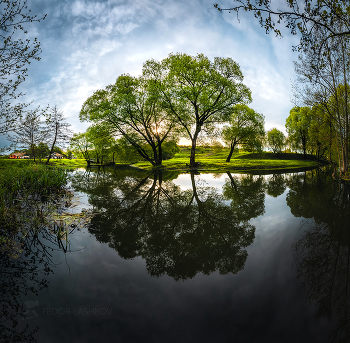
<point>66,163</point>
<point>241,160</point>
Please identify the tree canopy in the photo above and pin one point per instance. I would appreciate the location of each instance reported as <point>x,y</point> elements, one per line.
<point>30,131</point>
<point>306,17</point>
<point>298,124</point>
<point>131,108</point>
<point>196,92</point>
<point>246,129</point>
<point>15,54</point>
<point>275,140</point>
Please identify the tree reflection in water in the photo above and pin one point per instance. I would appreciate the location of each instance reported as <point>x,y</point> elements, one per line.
<point>178,232</point>
<point>276,185</point>
<point>322,255</point>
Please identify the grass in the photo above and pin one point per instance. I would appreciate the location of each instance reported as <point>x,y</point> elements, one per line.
<point>23,180</point>
<point>209,159</point>
<point>29,196</point>
<point>240,161</point>
<point>60,163</point>
<point>69,164</point>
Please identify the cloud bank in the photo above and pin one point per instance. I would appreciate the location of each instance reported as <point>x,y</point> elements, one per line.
<point>87,44</point>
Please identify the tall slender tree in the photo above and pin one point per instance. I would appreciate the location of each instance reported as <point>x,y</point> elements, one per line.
<point>298,125</point>
<point>58,130</point>
<point>325,86</point>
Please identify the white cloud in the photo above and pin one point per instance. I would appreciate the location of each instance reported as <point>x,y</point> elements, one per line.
<point>88,44</point>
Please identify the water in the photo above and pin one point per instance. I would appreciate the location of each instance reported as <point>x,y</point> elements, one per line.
<point>197,258</point>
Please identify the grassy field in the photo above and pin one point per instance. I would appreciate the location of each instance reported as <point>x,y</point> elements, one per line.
<point>64,163</point>
<point>210,161</point>
<point>240,161</point>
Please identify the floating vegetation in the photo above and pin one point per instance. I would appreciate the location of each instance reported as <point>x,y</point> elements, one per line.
<point>34,198</point>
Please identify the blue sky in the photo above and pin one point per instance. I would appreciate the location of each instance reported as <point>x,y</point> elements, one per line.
<point>87,44</point>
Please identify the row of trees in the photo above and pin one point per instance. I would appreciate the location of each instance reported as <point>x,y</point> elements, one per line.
<point>244,130</point>
<point>195,98</point>
<point>180,95</point>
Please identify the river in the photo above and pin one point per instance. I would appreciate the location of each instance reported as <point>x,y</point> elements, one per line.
<point>170,257</point>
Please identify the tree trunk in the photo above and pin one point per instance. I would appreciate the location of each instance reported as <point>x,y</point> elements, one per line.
<point>193,149</point>
<point>159,159</point>
<point>53,144</point>
<point>228,159</point>
<point>233,184</point>
<point>33,151</point>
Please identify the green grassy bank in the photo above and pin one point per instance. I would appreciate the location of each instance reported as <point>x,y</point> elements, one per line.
<point>208,158</point>
<point>240,161</point>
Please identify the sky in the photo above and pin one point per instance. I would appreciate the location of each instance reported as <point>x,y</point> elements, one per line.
<point>87,44</point>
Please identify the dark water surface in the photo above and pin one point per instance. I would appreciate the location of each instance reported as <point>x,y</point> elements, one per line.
<point>197,258</point>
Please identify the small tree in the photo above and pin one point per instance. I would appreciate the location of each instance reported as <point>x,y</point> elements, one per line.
<point>297,125</point>
<point>81,144</point>
<point>30,131</point>
<point>58,130</point>
<point>275,140</point>
<point>170,148</point>
<point>217,147</point>
<point>100,139</point>
<point>246,128</point>
<point>42,150</point>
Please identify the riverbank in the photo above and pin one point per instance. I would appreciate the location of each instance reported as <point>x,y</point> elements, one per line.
<point>209,161</point>
<point>240,161</point>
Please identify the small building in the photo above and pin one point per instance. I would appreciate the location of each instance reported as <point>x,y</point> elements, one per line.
<point>18,155</point>
<point>56,155</point>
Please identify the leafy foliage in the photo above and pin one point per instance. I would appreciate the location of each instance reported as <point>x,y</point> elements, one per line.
<point>298,125</point>
<point>196,92</point>
<point>307,17</point>
<point>275,140</point>
<point>131,108</point>
<point>15,54</point>
<point>246,129</point>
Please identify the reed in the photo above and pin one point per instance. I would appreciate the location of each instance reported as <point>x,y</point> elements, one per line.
<point>34,181</point>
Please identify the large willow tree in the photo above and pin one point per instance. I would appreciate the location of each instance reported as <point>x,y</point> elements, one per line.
<point>131,108</point>
<point>197,92</point>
